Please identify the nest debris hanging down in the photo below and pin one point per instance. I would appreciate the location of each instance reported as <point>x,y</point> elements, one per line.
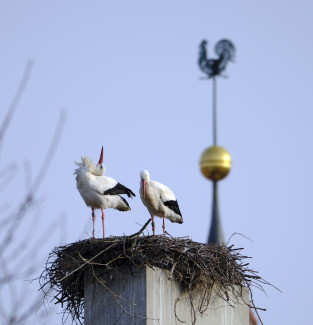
<point>193,264</point>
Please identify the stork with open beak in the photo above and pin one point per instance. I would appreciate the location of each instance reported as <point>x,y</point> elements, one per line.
<point>159,200</point>
<point>98,191</point>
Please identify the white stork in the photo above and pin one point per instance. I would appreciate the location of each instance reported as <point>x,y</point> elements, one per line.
<point>98,191</point>
<point>159,200</point>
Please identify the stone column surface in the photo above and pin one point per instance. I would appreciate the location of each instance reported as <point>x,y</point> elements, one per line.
<point>146,296</point>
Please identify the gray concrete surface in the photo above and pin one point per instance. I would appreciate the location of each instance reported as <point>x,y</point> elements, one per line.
<point>147,297</point>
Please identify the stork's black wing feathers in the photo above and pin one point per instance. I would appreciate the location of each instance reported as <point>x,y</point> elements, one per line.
<point>119,189</point>
<point>173,205</point>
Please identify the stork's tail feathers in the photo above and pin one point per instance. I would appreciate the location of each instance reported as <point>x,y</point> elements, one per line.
<point>125,208</point>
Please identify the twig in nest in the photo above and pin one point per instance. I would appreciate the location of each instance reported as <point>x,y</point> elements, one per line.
<point>137,234</point>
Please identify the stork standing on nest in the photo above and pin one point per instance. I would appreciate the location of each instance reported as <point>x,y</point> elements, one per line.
<point>159,200</point>
<point>98,191</point>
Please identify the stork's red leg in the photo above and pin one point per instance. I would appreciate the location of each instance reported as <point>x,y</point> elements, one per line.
<point>153,225</point>
<point>163,225</point>
<point>103,222</point>
<point>93,222</point>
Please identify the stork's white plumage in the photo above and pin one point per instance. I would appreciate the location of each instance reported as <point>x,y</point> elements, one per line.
<point>98,191</point>
<point>159,200</point>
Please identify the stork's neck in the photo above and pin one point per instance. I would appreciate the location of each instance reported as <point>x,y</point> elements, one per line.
<point>151,192</point>
<point>150,199</point>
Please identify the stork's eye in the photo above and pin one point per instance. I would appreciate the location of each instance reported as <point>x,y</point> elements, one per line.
<point>100,166</point>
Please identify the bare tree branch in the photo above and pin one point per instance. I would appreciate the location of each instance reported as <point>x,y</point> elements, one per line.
<point>28,200</point>
<point>20,245</point>
<point>16,99</point>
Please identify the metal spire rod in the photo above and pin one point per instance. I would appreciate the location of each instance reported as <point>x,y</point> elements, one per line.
<point>213,159</point>
<point>216,234</point>
<point>216,231</point>
<point>214,113</point>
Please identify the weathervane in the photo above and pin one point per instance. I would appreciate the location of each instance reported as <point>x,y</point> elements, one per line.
<point>215,161</point>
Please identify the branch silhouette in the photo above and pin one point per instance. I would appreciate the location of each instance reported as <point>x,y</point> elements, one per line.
<point>21,241</point>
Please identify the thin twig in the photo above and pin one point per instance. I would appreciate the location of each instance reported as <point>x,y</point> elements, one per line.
<point>16,99</point>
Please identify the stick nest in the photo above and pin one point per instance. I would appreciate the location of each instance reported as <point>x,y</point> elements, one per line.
<point>193,264</point>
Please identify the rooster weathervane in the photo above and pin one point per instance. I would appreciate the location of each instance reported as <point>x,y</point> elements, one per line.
<point>213,67</point>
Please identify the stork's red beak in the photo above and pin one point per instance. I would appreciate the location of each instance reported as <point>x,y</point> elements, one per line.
<point>101,157</point>
<point>144,188</point>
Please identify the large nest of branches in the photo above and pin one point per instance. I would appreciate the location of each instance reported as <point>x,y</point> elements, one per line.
<point>193,264</point>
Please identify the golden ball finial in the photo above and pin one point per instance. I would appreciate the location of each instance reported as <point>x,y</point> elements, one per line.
<point>215,163</point>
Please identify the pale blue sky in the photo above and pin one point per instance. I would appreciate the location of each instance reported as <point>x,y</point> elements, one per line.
<point>126,73</point>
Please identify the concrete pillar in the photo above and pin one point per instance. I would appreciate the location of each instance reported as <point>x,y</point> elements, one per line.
<point>132,296</point>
